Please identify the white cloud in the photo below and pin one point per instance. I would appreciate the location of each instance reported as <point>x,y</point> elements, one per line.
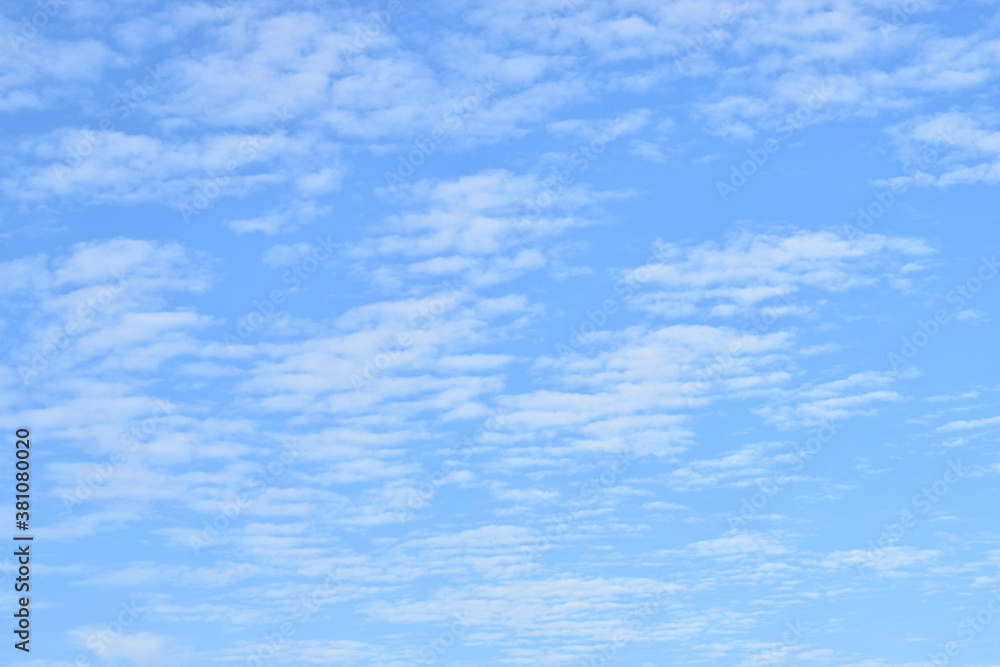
<point>969,424</point>
<point>750,268</point>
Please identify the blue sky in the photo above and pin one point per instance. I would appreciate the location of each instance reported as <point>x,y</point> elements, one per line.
<point>525,333</point>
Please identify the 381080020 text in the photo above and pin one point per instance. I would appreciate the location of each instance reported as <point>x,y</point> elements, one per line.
<point>22,542</point>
